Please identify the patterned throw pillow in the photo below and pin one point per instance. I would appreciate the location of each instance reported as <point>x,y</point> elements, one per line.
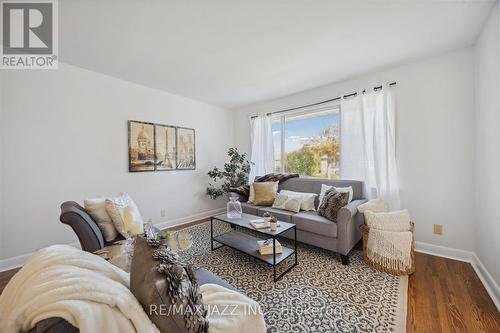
<point>331,204</point>
<point>286,202</point>
<point>116,208</point>
<point>163,283</point>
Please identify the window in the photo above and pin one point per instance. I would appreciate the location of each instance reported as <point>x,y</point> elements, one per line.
<point>308,143</point>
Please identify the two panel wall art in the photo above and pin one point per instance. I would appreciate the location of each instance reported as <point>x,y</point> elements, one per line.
<point>157,147</point>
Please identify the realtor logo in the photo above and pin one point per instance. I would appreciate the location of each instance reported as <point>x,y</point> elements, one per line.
<point>29,34</point>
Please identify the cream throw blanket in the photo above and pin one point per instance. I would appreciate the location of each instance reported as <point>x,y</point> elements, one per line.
<point>230,312</point>
<point>390,239</point>
<point>82,288</point>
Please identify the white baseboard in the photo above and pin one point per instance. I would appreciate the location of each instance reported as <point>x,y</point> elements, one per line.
<point>15,262</point>
<point>189,219</point>
<point>468,256</point>
<point>443,251</point>
<point>487,280</point>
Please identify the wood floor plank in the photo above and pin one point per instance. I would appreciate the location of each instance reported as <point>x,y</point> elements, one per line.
<point>444,295</point>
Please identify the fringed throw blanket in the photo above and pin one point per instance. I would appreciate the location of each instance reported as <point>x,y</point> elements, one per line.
<point>244,191</point>
<point>390,239</point>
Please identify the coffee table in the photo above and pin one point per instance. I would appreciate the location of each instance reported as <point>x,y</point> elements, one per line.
<point>247,244</point>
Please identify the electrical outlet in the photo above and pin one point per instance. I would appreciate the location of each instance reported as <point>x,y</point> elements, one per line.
<point>438,229</point>
<point>162,213</point>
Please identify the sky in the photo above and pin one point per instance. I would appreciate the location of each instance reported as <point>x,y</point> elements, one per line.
<point>300,131</point>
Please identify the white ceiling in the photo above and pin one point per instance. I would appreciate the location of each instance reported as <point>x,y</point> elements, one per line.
<point>236,52</point>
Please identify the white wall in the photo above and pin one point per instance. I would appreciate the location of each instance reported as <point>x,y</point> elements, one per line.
<point>487,219</point>
<point>435,139</point>
<point>64,137</point>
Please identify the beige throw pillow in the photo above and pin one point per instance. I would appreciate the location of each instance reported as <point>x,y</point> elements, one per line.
<point>390,221</point>
<point>286,202</point>
<point>251,196</point>
<point>96,207</point>
<point>116,209</point>
<point>265,192</point>
<point>307,199</point>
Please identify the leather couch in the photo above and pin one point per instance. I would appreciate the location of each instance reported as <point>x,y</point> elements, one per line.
<point>91,239</point>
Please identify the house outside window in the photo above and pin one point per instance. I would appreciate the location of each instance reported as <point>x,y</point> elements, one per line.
<point>308,143</point>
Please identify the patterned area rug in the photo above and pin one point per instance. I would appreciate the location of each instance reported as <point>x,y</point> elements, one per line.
<point>318,295</point>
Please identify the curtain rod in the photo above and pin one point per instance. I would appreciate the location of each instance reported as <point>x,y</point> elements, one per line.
<point>322,102</point>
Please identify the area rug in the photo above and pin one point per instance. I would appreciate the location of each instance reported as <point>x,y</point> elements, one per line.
<point>318,295</point>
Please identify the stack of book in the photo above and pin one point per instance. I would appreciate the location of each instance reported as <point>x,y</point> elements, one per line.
<point>260,224</point>
<point>266,247</point>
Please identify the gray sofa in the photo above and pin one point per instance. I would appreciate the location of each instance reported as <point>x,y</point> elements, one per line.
<point>314,229</point>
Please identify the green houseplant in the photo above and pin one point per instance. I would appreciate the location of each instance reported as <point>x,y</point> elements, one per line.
<point>233,174</point>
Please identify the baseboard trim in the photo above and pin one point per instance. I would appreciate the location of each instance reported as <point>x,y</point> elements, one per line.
<point>488,282</point>
<point>189,219</point>
<point>443,251</point>
<point>16,262</point>
<point>467,256</point>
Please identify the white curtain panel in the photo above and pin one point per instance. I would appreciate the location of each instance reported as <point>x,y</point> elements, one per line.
<point>368,143</point>
<point>262,156</point>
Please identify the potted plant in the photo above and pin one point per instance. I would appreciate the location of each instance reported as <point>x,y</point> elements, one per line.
<point>273,222</point>
<point>267,216</point>
<point>233,174</point>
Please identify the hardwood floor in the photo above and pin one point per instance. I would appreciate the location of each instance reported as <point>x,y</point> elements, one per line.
<point>444,295</point>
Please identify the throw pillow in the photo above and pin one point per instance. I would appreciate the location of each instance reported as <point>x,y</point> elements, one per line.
<point>325,188</point>
<point>96,207</point>
<point>265,192</point>
<point>162,284</point>
<point>389,221</point>
<point>331,204</point>
<point>251,196</point>
<point>307,199</point>
<point>374,205</point>
<point>290,203</point>
<point>116,209</point>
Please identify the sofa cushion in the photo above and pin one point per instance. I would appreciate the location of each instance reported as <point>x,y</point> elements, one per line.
<point>204,276</point>
<point>173,286</point>
<point>280,214</point>
<point>249,208</point>
<point>312,222</point>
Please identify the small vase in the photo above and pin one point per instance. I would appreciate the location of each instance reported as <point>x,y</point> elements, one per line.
<point>233,208</point>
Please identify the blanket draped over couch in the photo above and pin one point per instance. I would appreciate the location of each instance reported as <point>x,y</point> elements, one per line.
<point>80,287</point>
<point>93,295</point>
<point>244,191</point>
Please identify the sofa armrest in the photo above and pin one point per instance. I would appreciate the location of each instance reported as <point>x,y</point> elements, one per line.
<point>348,222</point>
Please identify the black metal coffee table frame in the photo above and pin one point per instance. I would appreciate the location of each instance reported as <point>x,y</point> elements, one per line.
<point>247,244</point>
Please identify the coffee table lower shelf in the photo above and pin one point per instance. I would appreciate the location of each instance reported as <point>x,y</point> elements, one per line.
<point>248,244</point>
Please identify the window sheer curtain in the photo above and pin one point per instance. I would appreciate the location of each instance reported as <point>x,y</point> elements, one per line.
<point>261,137</point>
<point>368,144</point>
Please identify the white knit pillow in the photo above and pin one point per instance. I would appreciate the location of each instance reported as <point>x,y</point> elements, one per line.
<point>116,208</point>
<point>307,199</point>
<point>374,205</point>
<point>96,207</point>
<point>389,221</point>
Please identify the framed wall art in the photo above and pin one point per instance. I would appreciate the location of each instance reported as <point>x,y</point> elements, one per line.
<point>165,147</point>
<point>186,149</point>
<point>141,150</point>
